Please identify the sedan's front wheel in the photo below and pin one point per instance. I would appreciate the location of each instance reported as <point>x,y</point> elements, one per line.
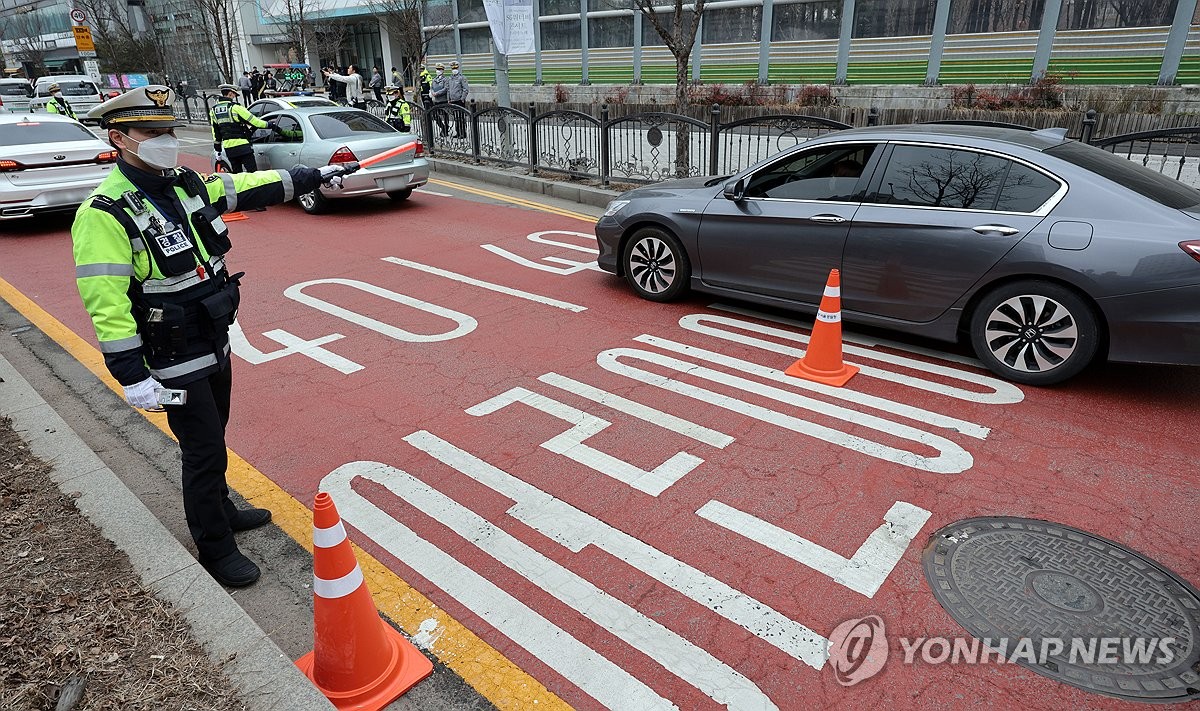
<point>655,265</point>
<point>1035,332</point>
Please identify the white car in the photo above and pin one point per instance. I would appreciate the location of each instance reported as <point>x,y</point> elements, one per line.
<point>48,163</point>
<point>272,104</point>
<point>15,95</point>
<point>79,90</point>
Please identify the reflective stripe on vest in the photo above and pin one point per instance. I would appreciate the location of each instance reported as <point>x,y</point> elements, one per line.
<point>169,285</point>
<point>188,366</point>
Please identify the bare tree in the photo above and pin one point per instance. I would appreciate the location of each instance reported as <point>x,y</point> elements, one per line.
<point>328,36</point>
<point>220,26</point>
<point>25,28</point>
<point>402,19</point>
<point>677,27</point>
<point>120,47</point>
<point>295,22</point>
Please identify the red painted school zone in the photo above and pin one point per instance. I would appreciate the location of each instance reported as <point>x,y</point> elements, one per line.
<point>1112,452</point>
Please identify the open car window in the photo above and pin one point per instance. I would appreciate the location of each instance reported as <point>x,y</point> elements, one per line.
<point>822,173</point>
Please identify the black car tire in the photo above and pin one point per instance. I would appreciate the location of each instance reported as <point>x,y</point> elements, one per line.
<point>400,195</point>
<point>655,265</point>
<point>1035,332</point>
<point>314,203</point>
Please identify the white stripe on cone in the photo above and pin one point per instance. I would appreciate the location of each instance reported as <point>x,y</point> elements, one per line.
<point>340,587</point>
<point>329,537</point>
<point>833,291</point>
<point>828,317</point>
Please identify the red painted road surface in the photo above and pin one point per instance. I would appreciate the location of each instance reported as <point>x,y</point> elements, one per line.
<point>664,612</point>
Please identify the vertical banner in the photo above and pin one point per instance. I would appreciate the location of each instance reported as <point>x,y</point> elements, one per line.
<point>512,25</point>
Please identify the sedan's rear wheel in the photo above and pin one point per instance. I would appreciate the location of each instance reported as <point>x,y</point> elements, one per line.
<point>314,203</point>
<point>400,195</point>
<point>655,265</point>
<point>1035,332</point>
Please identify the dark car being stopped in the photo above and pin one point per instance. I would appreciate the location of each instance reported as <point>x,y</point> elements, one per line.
<point>1042,251</point>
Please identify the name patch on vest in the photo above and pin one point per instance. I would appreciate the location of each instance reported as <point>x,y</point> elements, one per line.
<point>173,243</point>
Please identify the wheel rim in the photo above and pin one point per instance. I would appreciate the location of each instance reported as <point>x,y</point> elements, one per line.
<point>1031,333</point>
<point>652,265</point>
<point>307,200</point>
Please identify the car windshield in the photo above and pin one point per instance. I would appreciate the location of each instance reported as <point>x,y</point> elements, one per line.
<point>346,124</point>
<point>72,88</point>
<point>28,133</point>
<point>1152,184</point>
<point>14,90</point>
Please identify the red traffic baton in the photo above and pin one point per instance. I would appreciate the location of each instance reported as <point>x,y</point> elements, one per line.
<point>380,157</point>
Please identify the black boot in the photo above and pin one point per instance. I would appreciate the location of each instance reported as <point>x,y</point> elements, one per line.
<point>246,519</point>
<point>233,570</point>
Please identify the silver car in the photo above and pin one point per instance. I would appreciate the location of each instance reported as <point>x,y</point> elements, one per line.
<point>1043,253</point>
<point>320,135</point>
<point>47,163</point>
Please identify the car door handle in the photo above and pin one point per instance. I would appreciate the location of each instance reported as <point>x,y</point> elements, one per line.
<point>830,219</point>
<point>997,229</point>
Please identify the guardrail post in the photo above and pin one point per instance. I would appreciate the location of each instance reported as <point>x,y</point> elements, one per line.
<point>532,139</point>
<point>1089,126</point>
<point>475,133</point>
<point>714,131</point>
<point>604,167</point>
<point>873,117</point>
<point>427,125</point>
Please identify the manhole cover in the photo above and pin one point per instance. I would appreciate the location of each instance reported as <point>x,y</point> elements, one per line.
<point>1128,627</point>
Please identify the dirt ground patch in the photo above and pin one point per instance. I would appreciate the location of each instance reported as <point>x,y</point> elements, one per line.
<point>72,611</point>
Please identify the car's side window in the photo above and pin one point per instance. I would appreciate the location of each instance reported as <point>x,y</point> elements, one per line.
<point>258,109</point>
<point>1025,189</point>
<point>824,173</point>
<point>289,130</point>
<point>941,177</point>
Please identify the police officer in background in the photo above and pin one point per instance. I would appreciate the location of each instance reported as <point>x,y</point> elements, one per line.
<point>399,113</point>
<point>232,127</point>
<point>150,251</point>
<point>57,104</point>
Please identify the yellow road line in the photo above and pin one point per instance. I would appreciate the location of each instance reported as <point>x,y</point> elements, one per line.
<point>516,201</point>
<point>478,663</point>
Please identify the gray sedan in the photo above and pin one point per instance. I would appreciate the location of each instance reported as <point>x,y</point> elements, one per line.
<point>1044,252</point>
<point>319,135</point>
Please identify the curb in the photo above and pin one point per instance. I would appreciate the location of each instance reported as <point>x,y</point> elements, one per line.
<point>573,192</point>
<point>263,675</point>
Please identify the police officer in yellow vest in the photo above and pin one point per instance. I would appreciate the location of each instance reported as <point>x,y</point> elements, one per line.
<point>399,113</point>
<point>57,104</point>
<point>232,127</point>
<point>150,264</point>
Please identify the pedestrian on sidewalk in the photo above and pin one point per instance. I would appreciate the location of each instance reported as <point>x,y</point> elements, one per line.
<point>150,252</point>
<point>377,83</point>
<point>353,83</point>
<point>244,85</point>
<point>457,90</point>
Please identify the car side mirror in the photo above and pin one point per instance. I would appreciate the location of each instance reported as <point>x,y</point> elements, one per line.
<point>735,190</point>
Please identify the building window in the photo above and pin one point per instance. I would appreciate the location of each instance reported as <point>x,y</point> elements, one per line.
<point>600,5</point>
<point>442,44</point>
<point>559,7</point>
<point>438,12</point>
<point>610,32</point>
<point>471,11</point>
<point>563,34</point>
<point>1099,15</point>
<point>650,36</point>
<point>973,16</point>
<point>734,24</point>
<point>893,18</point>
<point>477,40</point>
<point>798,21</point>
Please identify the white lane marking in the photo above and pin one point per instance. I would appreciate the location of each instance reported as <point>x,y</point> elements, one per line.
<point>931,418</point>
<point>430,192</point>
<point>571,445</point>
<point>465,324</point>
<point>572,265</point>
<point>487,285</point>
<point>665,420</point>
<point>863,573</point>
<point>1003,393</point>
<point>677,655</point>
<point>576,530</point>
<point>540,237</point>
<point>241,347</point>
<point>574,660</point>
<point>951,458</point>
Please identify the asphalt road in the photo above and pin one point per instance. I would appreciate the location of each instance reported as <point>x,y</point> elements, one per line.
<point>573,496</point>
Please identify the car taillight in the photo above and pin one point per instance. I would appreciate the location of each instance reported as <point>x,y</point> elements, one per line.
<point>1192,247</point>
<point>343,155</point>
<point>420,151</point>
<point>107,157</point>
<point>10,166</point>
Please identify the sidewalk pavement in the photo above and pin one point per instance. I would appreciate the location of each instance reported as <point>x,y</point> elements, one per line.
<point>264,676</point>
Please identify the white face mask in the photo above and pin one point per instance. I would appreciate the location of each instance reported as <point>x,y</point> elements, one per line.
<point>440,72</point>
<point>161,152</point>
<point>57,95</point>
<point>454,70</point>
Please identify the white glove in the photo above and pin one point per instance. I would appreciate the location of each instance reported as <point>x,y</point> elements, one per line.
<point>331,175</point>
<point>144,394</point>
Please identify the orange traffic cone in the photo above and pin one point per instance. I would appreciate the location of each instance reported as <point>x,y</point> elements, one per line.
<point>822,362</point>
<point>358,661</point>
<point>234,216</point>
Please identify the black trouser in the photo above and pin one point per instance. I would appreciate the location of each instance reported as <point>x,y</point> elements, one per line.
<point>247,96</point>
<point>398,124</point>
<point>200,428</point>
<point>241,159</point>
<point>378,93</point>
<point>441,114</point>
<point>460,120</point>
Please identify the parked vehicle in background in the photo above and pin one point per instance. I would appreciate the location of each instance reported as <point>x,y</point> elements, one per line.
<point>1043,252</point>
<point>80,90</point>
<point>48,162</point>
<point>15,95</point>
<point>319,135</point>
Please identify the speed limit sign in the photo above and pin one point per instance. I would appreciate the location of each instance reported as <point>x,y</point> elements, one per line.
<point>77,15</point>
